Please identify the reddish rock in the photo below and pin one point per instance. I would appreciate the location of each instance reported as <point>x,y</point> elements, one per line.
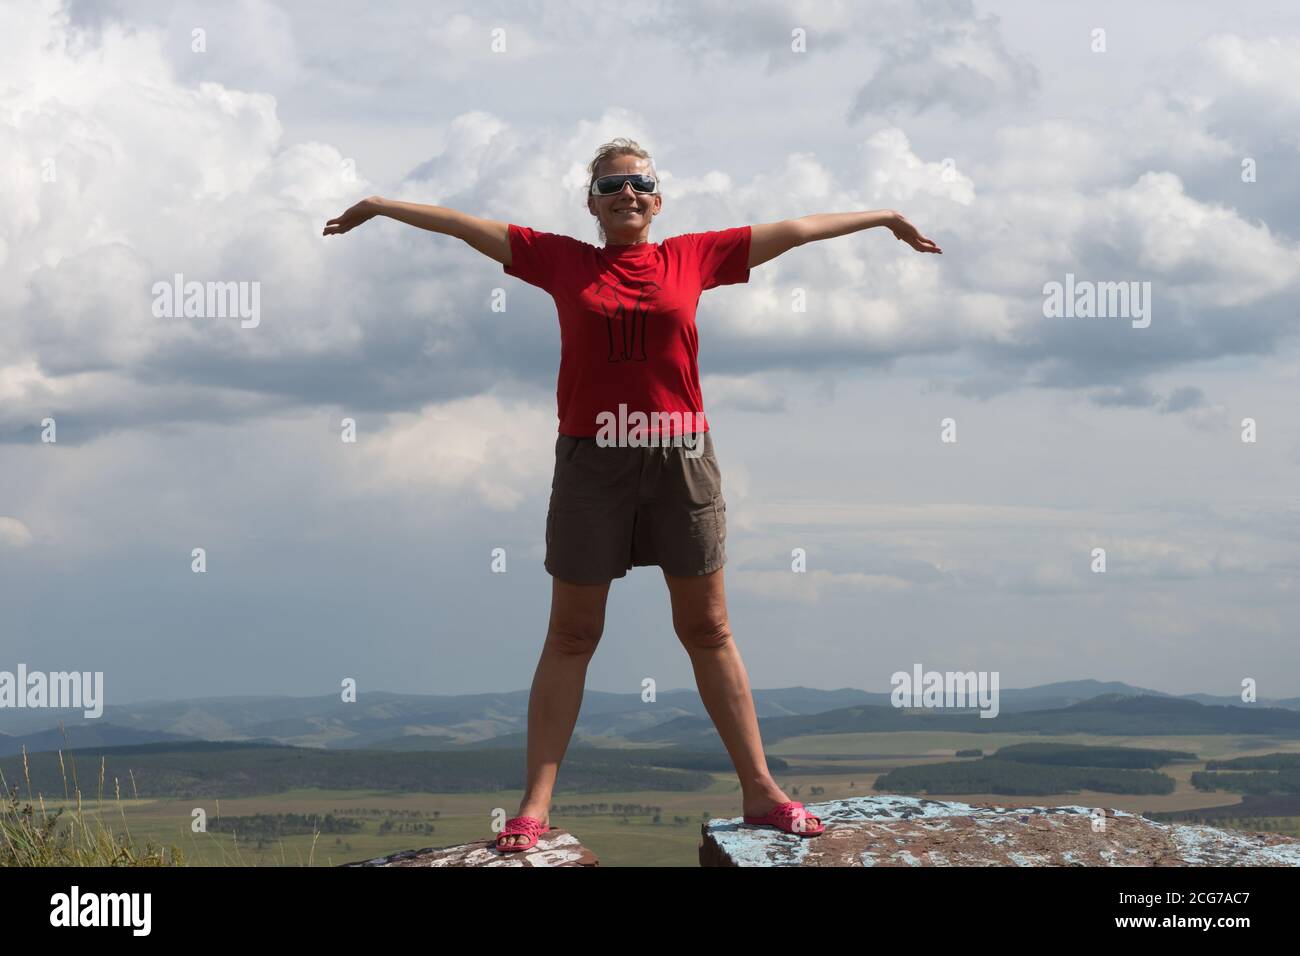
<point>917,831</point>
<point>554,848</point>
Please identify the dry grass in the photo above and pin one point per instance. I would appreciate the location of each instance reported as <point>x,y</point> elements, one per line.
<point>32,835</point>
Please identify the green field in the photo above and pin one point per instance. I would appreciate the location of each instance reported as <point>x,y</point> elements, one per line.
<point>461,819</point>
<point>813,776</point>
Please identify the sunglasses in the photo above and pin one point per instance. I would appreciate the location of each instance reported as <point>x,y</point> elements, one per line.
<point>609,185</point>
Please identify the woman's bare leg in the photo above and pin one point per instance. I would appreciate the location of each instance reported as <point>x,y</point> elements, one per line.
<point>577,621</point>
<point>700,620</point>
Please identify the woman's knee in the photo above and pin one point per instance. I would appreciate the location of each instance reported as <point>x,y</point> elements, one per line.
<point>705,633</point>
<point>574,637</point>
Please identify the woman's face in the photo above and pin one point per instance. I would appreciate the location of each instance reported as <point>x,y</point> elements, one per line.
<point>625,215</point>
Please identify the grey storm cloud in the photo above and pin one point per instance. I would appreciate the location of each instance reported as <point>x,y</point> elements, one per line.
<point>951,57</point>
<point>132,158</point>
<point>388,319</point>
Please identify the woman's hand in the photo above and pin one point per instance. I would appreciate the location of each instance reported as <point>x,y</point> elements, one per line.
<point>908,233</point>
<point>363,211</point>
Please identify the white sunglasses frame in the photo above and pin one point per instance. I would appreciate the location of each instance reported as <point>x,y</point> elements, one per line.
<point>652,192</point>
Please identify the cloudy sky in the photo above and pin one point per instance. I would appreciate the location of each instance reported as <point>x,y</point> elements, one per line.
<point>1114,142</point>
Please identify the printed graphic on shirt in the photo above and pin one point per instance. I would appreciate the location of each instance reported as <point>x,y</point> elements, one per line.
<point>627,322</point>
<point>626,318</point>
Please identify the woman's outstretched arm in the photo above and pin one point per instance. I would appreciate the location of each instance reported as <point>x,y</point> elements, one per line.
<point>488,236</point>
<point>769,239</point>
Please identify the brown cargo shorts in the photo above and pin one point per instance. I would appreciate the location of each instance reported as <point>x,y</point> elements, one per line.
<point>617,507</point>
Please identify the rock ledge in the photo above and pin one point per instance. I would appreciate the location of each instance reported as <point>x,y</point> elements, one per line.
<point>554,848</point>
<point>917,831</point>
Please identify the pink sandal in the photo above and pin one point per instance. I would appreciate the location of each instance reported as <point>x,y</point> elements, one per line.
<point>530,827</point>
<point>783,816</point>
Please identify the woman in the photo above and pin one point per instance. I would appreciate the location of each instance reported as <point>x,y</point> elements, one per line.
<point>627,325</point>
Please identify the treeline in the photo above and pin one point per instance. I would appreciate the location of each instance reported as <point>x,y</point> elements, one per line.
<point>625,812</point>
<point>404,827</point>
<point>1041,769</point>
<point>1107,714</point>
<point>265,826</point>
<point>187,771</point>
<point>605,809</point>
<point>1084,755</point>
<point>1273,761</point>
<point>1273,807</point>
<point>715,762</point>
<point>1016,778</point>
<point>1257,782</point>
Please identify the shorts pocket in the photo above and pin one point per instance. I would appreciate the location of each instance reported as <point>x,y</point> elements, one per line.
<point>720,517</point>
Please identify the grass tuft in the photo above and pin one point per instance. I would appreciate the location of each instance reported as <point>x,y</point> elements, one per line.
<point>32,835</point>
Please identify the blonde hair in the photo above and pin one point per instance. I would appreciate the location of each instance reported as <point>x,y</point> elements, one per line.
<point>619,146</point>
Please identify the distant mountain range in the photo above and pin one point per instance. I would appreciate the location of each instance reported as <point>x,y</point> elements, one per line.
<point>387,721</point>
<point>1109,714</point>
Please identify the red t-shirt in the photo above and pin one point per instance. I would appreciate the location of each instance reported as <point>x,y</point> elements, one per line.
<point>627,318</point>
